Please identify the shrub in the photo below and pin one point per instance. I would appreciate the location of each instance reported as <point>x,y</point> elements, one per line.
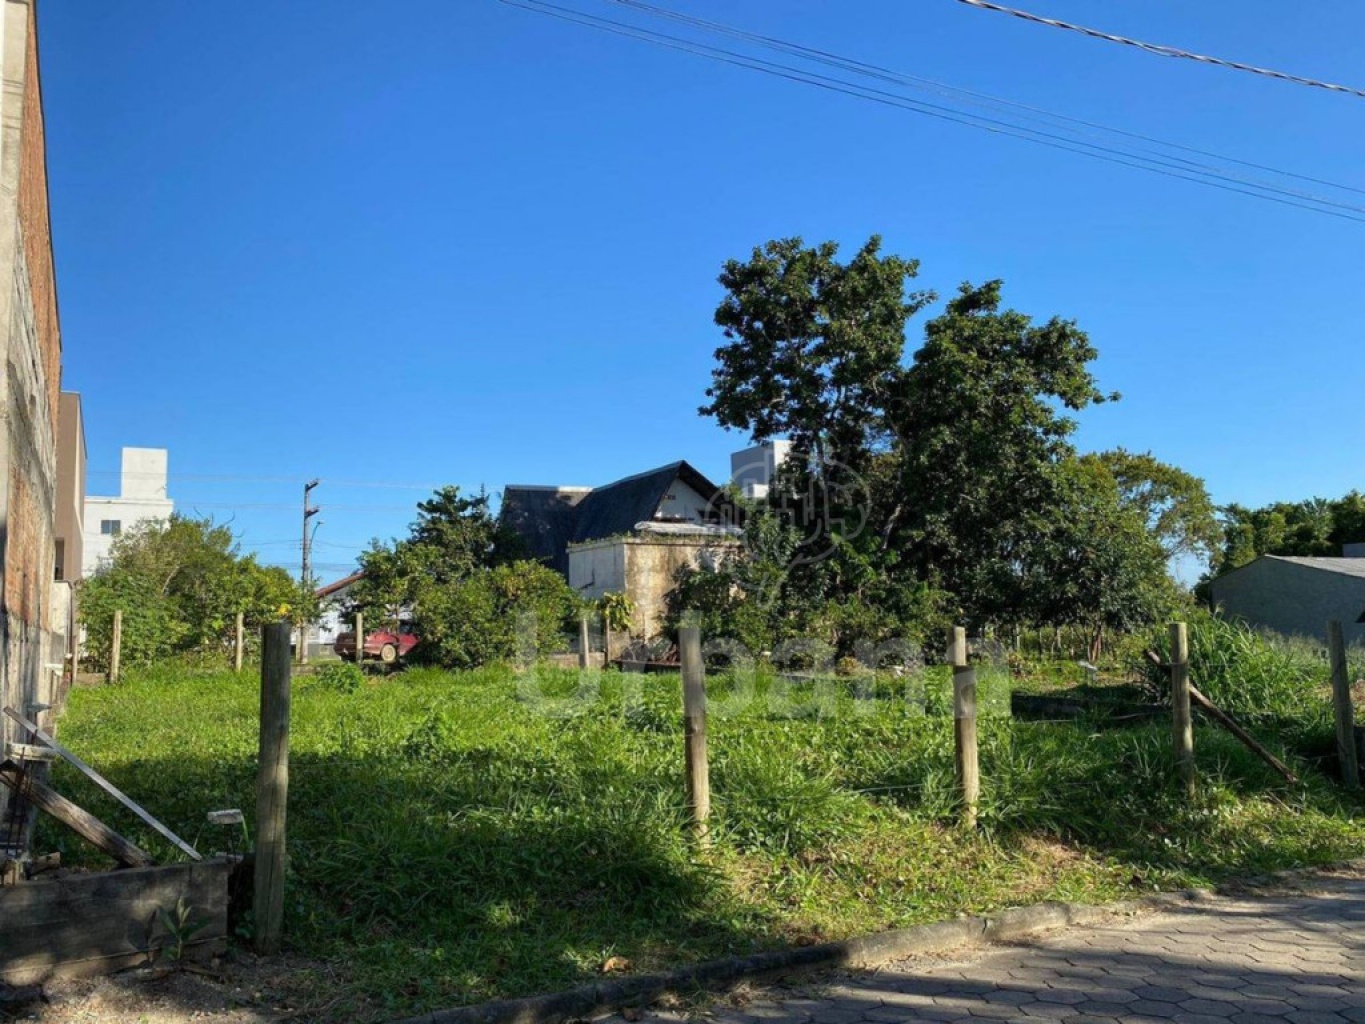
<point>342,678</point>
<point>486,617</point>
<point>1248,672</point>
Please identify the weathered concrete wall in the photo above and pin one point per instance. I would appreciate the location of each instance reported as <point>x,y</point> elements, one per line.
<point>598,567</point>
<point>644,568</point>
<point>1293,599</point>
<point>31,343</point>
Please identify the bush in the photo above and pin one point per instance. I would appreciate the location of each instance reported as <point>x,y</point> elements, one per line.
<point>1248,672</point>
<point>499,614</point>
<point>342,678</point>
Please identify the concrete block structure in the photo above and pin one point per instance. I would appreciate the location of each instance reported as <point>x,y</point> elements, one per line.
<point>629,537</point>
<point>1296,596</point>
<point>142,498</point>
<point>31,643</point>
<point>645,565</point>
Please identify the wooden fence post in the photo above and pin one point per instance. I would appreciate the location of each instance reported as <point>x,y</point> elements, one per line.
<point>583,658</point>
<point>360,639</point>
<point>1345,710</point>
<point>1182,722</point>
<point>272,787</point>
<point>964,725</point>
<point>116,646</point>
<point>694,726</point>
<point>239,643</point>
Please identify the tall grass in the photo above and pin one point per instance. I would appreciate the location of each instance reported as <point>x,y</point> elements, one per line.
<point>454,839</point>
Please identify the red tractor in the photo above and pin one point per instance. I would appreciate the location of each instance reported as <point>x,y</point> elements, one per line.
<point>381,645</point>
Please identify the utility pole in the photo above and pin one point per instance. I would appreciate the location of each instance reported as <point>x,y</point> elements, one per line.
<point>309,511</point>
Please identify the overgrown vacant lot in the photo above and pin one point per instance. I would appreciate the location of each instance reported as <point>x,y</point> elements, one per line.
<point>459,837</point>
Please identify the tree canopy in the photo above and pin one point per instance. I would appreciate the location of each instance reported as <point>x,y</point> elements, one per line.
<point>943,481</point>
<point>180,583</point>
<point>461,576</point>
<point>1317,526</point>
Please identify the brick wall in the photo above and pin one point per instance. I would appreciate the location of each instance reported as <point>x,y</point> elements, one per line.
<point>37,226</point>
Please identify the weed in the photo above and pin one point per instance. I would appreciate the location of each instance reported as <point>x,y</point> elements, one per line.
<point>457,837</point>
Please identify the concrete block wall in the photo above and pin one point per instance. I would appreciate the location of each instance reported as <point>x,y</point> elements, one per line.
<point>1292,598</point>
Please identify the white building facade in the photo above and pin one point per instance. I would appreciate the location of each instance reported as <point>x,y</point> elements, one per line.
<point>142,497</point>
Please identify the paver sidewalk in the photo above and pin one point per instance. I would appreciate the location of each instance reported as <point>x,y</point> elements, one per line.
<point>1297,957</point>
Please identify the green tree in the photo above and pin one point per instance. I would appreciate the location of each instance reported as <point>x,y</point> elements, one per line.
<point>497,613</point>
<point>1174,504</point>
<point>1098,563</point>
<point>452,538</point>
<point>180,583</point>
<point>984,439</point>
<point>814,346</point>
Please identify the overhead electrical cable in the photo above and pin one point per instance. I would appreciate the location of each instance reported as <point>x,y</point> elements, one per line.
<point>1173,167</point>
<point>1165,51</point>
<point>1038,114</point>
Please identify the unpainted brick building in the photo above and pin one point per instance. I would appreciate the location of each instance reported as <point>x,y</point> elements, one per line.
<point>31,641</point>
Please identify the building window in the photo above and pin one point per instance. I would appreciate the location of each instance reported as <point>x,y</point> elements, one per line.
<point>111,527</point>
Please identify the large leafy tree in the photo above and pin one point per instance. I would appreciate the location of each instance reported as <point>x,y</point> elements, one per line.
<point>980,412</point>
<point>1097,563</point>
<point>452,537</point>
<point>180,584</point>
<point>813,346</point>
<point>1174,505</point>
<point>969,497</point>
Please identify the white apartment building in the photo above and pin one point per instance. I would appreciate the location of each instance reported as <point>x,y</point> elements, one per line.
<point>142,497</point>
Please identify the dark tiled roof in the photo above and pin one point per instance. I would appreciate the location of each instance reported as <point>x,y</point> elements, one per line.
<point>551,518</point>
<point>545,518</point>
<point>617,507</point>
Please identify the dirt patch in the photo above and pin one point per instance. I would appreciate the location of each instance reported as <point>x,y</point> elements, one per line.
<point>238,988</point>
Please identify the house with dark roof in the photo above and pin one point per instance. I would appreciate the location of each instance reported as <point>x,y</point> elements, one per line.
<point>1295,596</point>
<point>630,536</point>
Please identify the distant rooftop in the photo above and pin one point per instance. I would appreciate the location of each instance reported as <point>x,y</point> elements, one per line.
<point>1344,566</point>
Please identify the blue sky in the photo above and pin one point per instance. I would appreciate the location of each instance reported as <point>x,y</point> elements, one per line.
<point>448,241</point>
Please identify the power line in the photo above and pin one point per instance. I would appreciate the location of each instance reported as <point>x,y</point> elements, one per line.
<point>1213,178</point>
<point>1164,51</point>
<point>228,477</point>
<point>1039,114</point>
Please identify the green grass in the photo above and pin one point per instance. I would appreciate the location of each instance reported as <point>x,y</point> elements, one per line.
<point>460,837</point>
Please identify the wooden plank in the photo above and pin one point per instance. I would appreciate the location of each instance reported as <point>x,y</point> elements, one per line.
<point>272,788</point>
<point>94,924</point>
<point>238,642</point>
<point>1343,706</point>
<point>583,642</point>
<point>83,823</point>
<point>1182,724</point>
<point>1230,724</point>
<point>698,769</point>
<point>105,785</point>
<point>18,752</point>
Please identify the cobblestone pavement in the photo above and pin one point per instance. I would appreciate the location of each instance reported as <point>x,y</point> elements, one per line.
<point>1291,956</point>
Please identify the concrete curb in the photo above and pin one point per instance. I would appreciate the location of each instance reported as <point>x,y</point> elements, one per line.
<point>1012,925</point>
